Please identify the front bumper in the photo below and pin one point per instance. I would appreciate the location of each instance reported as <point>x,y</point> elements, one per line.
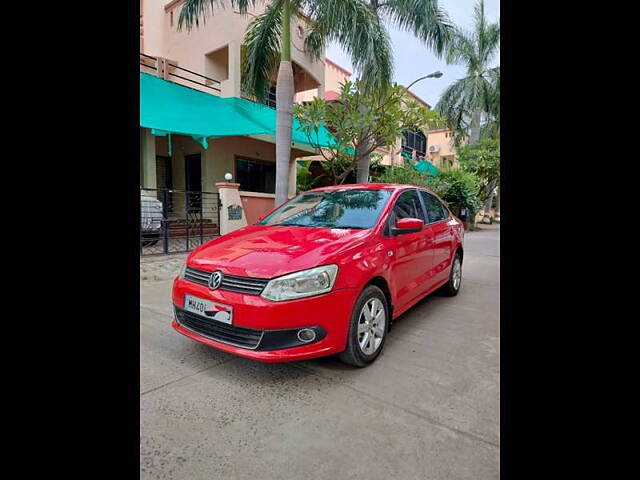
<point>328,314</point>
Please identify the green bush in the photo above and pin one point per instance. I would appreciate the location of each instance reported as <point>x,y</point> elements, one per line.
<point>304,180</point>
<point>458,188</point>
<point>405,175</point>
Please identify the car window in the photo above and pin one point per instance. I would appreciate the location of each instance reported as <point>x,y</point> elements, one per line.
<point>407,206</point>
<point>344,208</point>
<point>435,210</point>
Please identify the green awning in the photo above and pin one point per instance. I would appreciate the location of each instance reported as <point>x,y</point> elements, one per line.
<point>169,108</point>
<point>424,166</point>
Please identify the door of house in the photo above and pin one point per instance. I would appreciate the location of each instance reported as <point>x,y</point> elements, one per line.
<point>164,182</point>
<point>163,172</point>
<point>193,180</point>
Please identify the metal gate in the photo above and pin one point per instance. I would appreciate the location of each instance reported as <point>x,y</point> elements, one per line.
<point>173,221</point>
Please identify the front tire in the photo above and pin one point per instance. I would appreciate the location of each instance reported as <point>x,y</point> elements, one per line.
<point>368,328</point>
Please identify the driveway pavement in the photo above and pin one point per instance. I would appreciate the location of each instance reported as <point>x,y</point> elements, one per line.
<point>428,408</point>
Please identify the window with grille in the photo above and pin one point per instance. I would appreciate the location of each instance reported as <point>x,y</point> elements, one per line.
<point>414,140</point>
<point>256,175</point>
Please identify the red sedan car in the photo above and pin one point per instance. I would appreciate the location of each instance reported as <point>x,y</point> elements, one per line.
<point>325,273</point>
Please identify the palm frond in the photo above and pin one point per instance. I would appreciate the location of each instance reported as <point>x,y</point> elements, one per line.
<point>194,11</point>
<point>455,109</point>
<point>356,27</point>
<point>479,90</point>
<point>262,50</point>
<point>491,43</point>
<point>424,18</point>
<point>460,48</point>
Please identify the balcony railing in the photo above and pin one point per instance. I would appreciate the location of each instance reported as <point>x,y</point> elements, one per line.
<point>163,68</point>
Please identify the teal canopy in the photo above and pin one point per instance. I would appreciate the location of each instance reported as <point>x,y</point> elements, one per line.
<point>169,108</point>
<point>424,166</point>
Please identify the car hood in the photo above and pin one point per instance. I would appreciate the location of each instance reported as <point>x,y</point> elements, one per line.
<point>270,251</point>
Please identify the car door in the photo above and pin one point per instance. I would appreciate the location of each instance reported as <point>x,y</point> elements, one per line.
<point>411,253</point>
<point>443,235</point>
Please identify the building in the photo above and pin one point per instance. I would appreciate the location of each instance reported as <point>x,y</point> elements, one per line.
<point>440,148</point>
<point>202,68</point>
<point>433,145</point>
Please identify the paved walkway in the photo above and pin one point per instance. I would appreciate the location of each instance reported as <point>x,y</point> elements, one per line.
<point>427,409</point>
<point>160,268</point>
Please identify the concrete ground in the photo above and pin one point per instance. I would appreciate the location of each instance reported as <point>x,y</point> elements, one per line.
<point>428,408</point>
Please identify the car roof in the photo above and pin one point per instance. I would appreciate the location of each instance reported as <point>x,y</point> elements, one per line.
<point>368,186</point>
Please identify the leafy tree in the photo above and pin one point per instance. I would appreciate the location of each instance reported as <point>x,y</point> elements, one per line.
<point>361,122</point>
<point>356,25</point>
<point>476,97</point>
<point>483,160</point>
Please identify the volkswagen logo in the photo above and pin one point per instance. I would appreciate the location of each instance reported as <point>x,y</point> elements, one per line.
<point>215,280</point>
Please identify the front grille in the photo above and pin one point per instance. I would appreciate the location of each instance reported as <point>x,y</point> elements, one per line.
<point>220,332</point>
<point>233,283</point>
<point>197,276</point>
<point>243,284</point>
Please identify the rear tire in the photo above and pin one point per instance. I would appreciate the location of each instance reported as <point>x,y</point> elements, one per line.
<point>368,328</point>
<point>452,287</point>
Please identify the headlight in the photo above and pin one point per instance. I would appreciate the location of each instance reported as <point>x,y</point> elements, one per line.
<point>183,268</point>
<point>301,284</point>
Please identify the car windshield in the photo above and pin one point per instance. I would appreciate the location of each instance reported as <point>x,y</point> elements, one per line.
<point>348,208</point>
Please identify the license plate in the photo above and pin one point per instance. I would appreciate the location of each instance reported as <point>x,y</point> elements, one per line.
<point>208,309</point>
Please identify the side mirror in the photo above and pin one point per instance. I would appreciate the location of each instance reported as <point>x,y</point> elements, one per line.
<point>407,225</point>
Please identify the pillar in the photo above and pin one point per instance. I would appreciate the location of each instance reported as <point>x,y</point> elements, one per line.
<point>230,219</point>
<point>148,159</point>
<point>231,86</point>
<point>293,178</point>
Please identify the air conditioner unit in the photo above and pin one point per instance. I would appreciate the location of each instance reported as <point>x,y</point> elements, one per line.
<point>434,148</point>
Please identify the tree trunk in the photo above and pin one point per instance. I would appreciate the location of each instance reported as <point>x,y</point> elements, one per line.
<point>284,111</point>
<point>498,203</point>
<point>363,159</point>
<point>474,133</point>
<point>489,200</point>
<point>362,171</point>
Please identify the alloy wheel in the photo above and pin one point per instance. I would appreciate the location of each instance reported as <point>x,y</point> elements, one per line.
<point>456,273</point>
<point>371,326</point>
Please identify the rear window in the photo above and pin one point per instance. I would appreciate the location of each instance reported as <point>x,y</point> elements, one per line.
<point>435,210</point>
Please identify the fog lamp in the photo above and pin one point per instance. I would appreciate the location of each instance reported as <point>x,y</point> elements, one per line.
<point>306,335</point>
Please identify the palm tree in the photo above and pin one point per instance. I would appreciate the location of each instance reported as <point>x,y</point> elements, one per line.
<point>356,25</point>
<point>465,102</point>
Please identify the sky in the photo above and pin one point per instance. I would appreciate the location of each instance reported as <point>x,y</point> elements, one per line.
<point>413,60</point>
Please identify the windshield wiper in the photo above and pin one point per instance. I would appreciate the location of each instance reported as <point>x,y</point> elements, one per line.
<point>348,226</point>
<point>326,225</point>
<point>321,225</point>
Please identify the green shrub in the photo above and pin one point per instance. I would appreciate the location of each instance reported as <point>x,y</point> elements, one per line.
<point>304,180</point>
<point>458,188</point>
<point>405,175</point>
